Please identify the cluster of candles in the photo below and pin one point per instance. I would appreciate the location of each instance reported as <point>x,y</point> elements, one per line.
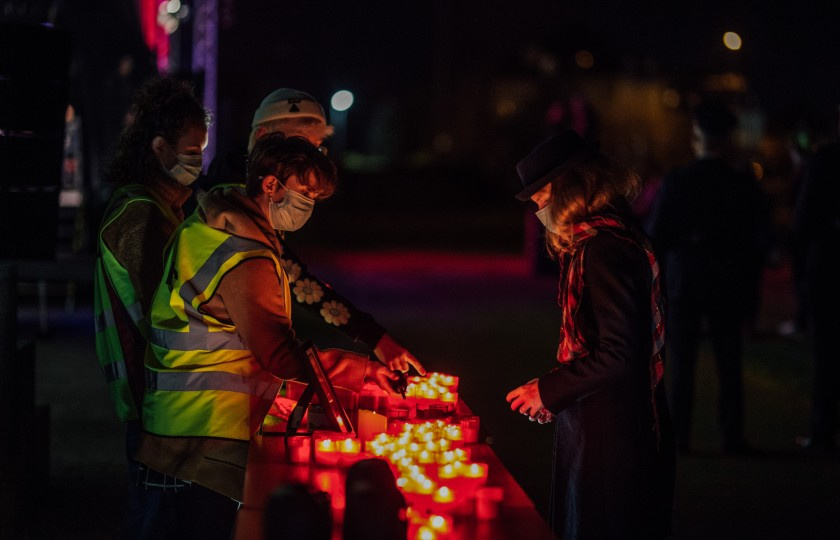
<point>434,387</point>
<point>432,466</point>
<point>428,457</point>
<point>428,526</point>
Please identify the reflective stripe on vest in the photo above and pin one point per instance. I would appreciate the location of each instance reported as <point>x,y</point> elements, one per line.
<point>177,381</point>
<point>112,278</point>
<point>201,379</point>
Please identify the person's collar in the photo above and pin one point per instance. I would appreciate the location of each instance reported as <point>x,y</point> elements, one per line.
<point>170,192</point>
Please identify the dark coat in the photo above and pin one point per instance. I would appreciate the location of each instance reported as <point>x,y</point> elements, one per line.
<point>710,227</point>
<point>613,476</point>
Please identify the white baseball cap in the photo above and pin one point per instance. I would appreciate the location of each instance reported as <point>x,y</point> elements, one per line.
<point>288,103</point>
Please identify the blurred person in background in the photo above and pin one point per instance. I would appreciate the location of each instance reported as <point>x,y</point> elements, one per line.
<point>614,454</point>
<point>816,227</point>
<point>708,228</point>
<point>221,333</point>
<point>296,113</point>
<point>158,157</point>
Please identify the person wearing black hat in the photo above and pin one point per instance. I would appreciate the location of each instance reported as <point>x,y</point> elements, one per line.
<point>296,113</point>
<point>614,453</point>
<point>708,227</point>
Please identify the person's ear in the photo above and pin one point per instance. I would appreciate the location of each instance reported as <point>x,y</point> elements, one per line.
<point>270,184</point>
<point>157,145</point>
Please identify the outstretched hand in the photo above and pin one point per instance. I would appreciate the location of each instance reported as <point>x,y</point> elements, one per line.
<point>395,356</point>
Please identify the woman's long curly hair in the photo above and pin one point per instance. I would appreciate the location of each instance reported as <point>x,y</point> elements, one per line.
<point>164,106</point>
<point>583,191</point>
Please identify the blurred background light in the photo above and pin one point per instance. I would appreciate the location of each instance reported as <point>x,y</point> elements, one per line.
<point>671,98</point>
<point>584,59</point>
<point>342,100</point>
<point>732,41</point>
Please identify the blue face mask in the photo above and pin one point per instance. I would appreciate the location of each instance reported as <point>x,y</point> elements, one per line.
<point>291,212</point>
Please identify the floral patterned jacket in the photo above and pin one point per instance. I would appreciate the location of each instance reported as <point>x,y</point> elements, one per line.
<point>323,302</point>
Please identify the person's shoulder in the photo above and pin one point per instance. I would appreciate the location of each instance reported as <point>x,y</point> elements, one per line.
<point>614,247</point>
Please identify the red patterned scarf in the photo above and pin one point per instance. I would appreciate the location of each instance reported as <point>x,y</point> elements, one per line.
<point>572,341</point>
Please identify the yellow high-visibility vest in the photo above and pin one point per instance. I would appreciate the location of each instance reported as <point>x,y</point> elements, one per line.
<point>201,379</point>
<point>110,274</point>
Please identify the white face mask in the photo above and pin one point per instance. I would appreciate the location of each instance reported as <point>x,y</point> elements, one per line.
<point>544,215</point>
<point>291,212</point>
<point>186,169</point>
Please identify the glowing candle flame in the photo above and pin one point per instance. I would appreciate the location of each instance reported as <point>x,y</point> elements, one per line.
<point>444,495</point>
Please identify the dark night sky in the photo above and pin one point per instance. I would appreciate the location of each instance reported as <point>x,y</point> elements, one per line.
<point>790,52</point>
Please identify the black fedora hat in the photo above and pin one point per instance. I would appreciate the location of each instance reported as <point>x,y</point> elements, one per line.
<point>551,158</point>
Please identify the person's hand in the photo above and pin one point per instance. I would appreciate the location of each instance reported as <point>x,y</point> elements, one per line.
<point>382,376</point>
<point>526,400</point>
<point>395,356</point>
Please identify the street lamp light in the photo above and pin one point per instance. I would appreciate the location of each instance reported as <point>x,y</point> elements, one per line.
<point>340,103</point>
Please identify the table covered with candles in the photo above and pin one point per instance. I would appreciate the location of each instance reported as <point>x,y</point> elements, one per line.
<point>454,485</point>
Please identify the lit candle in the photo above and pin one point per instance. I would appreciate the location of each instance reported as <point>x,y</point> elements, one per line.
<point>454,433</point>
<point>326,445</point>
<point>425,457</point>
<point>469,429</point>
<point>447,472</point>
<point>440,523</point>
<point>371,424</point>
<point>299,448</point>
<point>443,495</point>
<point>476,471</point>
<point>425,486</point>
<point>326,452</point>
<point>349,446</point>
<point>425,533</point>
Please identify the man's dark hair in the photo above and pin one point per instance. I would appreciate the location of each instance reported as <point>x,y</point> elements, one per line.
<point>281,156</point>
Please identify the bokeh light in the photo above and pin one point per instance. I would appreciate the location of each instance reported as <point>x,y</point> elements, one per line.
<point>584,59</point>
<point>732,41</point>
<point>342,100</point>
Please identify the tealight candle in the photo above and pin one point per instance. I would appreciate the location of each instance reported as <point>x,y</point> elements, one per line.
<point>477,471</point>
<point>440,523</point>
<point>349,446</point>
<point>454,433</point>
<point>448,471</point>
<point>426,533</point>
<point>443,495</point>
<point>469,429</point>
<point>425,486</point>
<point>299,448</point>
<point>326,452</point>
<point>425,457</point>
